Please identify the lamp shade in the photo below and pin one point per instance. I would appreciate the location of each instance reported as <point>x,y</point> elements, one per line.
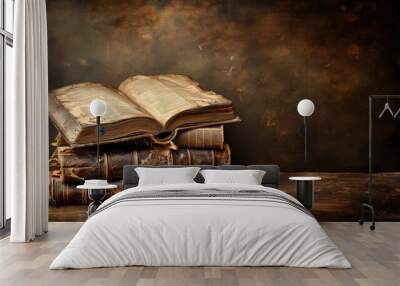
<point>305,107</point>
<point>98,107</point>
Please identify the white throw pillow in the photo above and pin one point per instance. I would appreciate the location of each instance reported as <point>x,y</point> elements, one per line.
<point>165,176</point>
<point>248,177</point>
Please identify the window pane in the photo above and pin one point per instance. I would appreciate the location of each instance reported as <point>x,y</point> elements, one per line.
<point>8,87</point>
<point>1,15</point>
<point>9,13</point>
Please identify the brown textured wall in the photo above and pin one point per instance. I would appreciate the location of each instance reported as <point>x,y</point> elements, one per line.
<point>263,55</point>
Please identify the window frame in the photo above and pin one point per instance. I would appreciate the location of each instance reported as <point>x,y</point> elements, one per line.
<point>6,39</point>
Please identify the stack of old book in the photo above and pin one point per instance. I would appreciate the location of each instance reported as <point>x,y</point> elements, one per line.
<point>150,120</point>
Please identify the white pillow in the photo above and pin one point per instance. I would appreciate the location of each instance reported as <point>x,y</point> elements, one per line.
<point>164,176</point>
<point>248,177</point>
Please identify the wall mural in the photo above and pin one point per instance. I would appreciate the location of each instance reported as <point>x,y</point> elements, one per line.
<point>265,56</point>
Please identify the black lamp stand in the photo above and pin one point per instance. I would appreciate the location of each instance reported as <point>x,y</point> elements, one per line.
<point>99,132</point>
<point>305,138</point>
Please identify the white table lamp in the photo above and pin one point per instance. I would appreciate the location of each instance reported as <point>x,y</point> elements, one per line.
<point>98,108</point>
<point>305,107</point>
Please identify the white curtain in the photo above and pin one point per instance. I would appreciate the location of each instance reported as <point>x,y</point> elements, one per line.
<point>27,124</point>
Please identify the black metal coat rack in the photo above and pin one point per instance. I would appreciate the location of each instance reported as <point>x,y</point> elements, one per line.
<point>369,205</point>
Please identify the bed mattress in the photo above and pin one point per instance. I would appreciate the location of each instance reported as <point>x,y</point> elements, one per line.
<point>201,225</point>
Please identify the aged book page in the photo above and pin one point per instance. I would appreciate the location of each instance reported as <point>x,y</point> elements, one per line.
<point>166,96</point>
<point>155,107</point>
<point>77,98</point>
<point>69,110</point>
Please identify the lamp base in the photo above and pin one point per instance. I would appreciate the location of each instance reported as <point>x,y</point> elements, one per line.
<point>97,197</point>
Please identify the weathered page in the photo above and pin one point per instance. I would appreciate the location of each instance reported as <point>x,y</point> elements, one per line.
<point>69,111</point>
<point>77,98</point>
<point>165,96</point>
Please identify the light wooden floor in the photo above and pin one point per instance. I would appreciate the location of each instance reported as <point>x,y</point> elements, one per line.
<point>375,257</point>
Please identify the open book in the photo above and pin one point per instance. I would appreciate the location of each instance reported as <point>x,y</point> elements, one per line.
<point>143,106</point>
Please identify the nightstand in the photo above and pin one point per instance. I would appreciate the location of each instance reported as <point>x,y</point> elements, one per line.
<point>96,195</point>
<point>305,192</point>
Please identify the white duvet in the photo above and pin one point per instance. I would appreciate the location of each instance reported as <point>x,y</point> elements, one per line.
<point>199,231</point>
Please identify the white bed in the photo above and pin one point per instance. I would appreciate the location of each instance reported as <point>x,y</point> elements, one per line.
<point>202,231</point>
